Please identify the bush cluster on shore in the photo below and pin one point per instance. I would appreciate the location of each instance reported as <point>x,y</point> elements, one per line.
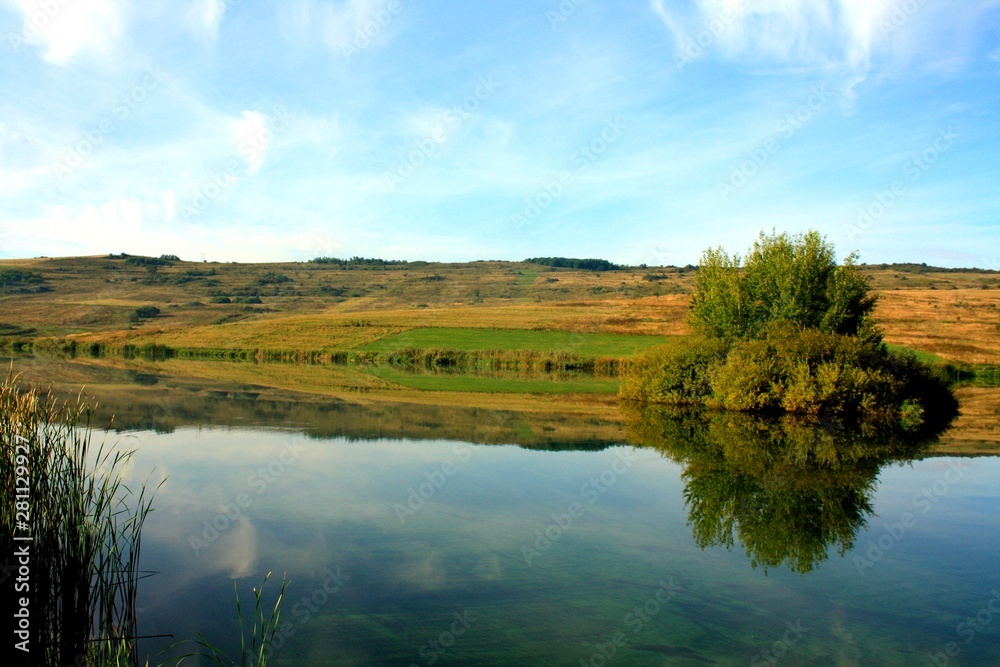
<point>795,371</point>
<point>788,331</point>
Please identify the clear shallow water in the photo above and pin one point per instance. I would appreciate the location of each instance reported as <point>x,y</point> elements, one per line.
<point>463,578</point>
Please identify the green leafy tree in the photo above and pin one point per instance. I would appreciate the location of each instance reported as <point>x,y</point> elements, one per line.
<point>788,330</point>
<point>783,279</point>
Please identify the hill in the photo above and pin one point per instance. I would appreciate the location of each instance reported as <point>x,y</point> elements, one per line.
<point>345,305</point>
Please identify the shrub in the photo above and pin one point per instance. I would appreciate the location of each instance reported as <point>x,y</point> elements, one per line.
<point>674,373</point>
<point>17,277</point>
<point>807,372</point>
<point>144,312</point>
<point>272,278</point>
<point>140,260</point>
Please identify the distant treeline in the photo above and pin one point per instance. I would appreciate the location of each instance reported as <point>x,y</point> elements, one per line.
<point>362,261</point>
<point>573,263</point>
<point>909,267</point>
<point>142,260</point>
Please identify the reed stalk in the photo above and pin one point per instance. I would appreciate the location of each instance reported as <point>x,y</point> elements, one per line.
<point>69,501</point>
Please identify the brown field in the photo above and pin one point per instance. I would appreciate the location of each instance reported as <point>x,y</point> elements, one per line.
<point>960,325</point>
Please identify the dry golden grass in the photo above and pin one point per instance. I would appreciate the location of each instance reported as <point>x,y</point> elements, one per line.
<point>960,325</point>
<point>348,327</point>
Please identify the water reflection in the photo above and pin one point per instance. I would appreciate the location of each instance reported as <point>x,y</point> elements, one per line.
<point>787,489</point>
<point>329,518</point>
<point>130,400</point>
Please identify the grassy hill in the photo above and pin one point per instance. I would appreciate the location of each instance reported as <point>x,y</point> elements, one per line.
<point>350,305</point>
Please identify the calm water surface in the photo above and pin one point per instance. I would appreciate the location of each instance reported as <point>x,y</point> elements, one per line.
<point>421,552</point>
<point>723,541</point>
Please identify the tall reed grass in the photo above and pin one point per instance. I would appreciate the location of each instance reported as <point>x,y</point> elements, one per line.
<point>257,652</point>
<point>84,525</point>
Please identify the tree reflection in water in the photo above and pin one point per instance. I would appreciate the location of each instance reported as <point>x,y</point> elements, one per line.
<point>787,488</point>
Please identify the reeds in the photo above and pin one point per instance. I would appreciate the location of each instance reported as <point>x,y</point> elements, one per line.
<point>82,524</point>
<point>261,630</point>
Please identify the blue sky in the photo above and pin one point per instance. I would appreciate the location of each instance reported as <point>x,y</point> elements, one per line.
<point>640,131</point>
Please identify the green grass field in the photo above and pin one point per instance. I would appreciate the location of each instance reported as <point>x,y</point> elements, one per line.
<point>582,344</point>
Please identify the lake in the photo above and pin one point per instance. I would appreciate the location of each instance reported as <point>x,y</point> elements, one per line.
<point>415,535</point>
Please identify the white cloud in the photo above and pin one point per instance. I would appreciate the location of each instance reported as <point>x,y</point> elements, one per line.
<point>21,162</point>
<point>142,226</point>
<point>169,205</point>
<point>825,35</point>
<point>204,17</point>
<point>995,56</point>
<point>66,30</point>
<point>64,230</point>
<point>252,138</point>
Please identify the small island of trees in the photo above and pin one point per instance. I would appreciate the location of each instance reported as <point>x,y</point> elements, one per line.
<point>789,330</point>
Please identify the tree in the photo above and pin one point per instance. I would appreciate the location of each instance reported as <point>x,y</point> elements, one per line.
<point>788,330</point>
<point>783,279</point>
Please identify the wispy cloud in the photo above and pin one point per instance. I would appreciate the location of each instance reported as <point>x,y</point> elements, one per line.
<point>67,30</point>
<point>252,138</point>
<point>344,22</point>
<point>831,36</point>
<point>204,17</point>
